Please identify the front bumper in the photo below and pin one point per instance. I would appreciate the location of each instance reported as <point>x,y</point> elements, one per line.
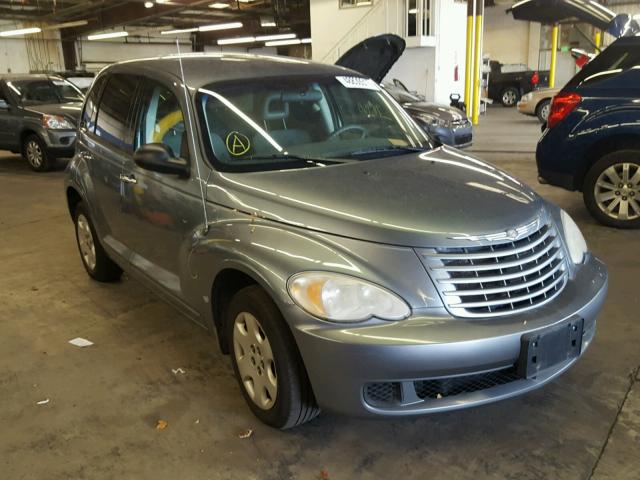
<point>60,143</point>
<point>525,107</point>
<point>343,360</point>
<point>458,137</point>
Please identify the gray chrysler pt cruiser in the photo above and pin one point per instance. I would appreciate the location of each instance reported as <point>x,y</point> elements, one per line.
<point>297,211</point>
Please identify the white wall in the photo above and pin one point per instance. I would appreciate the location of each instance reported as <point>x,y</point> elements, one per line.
<point>96,52</point>
<point>510,41</point>
<point>416,69</point>
<point>30,53</point>
<point>451,45</point>
<point>332,26</point>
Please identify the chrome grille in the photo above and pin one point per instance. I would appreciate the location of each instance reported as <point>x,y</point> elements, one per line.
<point>499,279</point>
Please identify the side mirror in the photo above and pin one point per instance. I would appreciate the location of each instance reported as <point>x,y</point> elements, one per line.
<point>158,157</point>
<point>4,105</point>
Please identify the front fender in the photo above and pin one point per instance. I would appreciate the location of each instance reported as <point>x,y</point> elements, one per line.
<point>271,253</point>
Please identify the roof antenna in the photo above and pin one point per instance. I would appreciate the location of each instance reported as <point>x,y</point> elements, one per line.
<point>192,137</point>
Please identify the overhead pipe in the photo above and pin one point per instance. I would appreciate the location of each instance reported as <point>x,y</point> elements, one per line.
<point>477,64</point>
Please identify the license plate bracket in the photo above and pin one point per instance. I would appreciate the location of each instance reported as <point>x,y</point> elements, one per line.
<point>547,347</point>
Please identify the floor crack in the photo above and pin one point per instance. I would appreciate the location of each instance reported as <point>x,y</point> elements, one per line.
<point>633,378</point>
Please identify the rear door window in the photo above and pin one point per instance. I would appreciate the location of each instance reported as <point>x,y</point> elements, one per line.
<point>616,59</point>
<point>115,111</point>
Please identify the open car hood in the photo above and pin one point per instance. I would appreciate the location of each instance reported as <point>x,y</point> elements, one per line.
<point>588,11</point>
<point>374,56</point>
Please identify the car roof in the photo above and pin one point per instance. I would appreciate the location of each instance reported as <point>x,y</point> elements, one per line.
<point>203,68</point>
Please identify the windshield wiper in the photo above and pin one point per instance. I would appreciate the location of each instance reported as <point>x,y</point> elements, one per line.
<point>317,161</point>
<point>384,149</point>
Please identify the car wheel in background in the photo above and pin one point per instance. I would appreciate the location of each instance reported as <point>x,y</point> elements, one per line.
<point>542,110</point>
<point>95,260</point>
<point>509,97</point>
<point>35,153</point>
<point>612,189</point>
<point>266,361</point>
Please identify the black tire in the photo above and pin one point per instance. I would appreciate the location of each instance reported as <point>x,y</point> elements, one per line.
<point>105,270</point>
<point>294,403</point>
<point>542,110</point>
<point>628,155</point>
<point>34,151</point>
<point>509,97</point>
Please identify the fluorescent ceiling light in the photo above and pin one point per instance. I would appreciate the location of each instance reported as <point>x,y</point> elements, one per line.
<point>305,40</point>
<point>103,36</point>
<point>233,41</point>
<point>20,31</point>
<point>295,41</point>
<point>268,24</point>
<point>148,4</point>
<point>279,36</point>
<point>219,5</point>
<point>220,26</point>
<point>183,30</point>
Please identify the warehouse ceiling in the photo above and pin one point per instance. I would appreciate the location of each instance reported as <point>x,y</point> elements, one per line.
<point>256,15</point>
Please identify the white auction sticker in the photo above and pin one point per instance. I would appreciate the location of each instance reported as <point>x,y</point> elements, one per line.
<point>358,82</point>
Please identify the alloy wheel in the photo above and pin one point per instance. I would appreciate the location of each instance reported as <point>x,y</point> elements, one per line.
<point>509,97</point>
<point>85,242</point>
<point>254,358</point>
<point>544,111</point>
<point>35,156</point>
<point>617,191</point>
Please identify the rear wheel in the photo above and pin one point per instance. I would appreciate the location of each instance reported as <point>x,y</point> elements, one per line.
<point>95,260</point>
<point>542,110</point>
<point>35,153</point>
<point>266,361</point>
<point>509,97</point>
<point>612,189</point>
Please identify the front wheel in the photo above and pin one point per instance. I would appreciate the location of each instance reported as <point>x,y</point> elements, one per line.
<point>542,110</point>
<point>612,189</point>
<point>34,151</point>
<point>510,97</point>
<point>266,361</point>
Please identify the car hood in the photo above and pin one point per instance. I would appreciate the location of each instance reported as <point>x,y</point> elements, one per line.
<point>443,112</point>
<point>374,56</point>
<point>70,111</point>
<point>436,198</point>
<point>554,11</point>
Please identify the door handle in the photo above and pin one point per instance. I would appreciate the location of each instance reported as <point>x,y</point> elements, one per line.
<point>86,155</point>
<point>128,179</point>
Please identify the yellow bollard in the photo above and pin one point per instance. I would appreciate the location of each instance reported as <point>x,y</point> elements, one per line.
<point>468,65</point>
<point>554,56</point>
<point>477,66</point>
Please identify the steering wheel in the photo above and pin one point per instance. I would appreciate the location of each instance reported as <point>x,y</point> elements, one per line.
<point>347,128</point>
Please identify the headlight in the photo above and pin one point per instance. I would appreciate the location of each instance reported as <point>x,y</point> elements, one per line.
<point>433,121</point>
<point>341,298</point>
<point>527,97</point>
<point>56,122</point>
<point>575,241</point>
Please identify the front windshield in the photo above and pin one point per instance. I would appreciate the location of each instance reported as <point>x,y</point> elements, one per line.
<point>294,122</point>
<point>45,91</point>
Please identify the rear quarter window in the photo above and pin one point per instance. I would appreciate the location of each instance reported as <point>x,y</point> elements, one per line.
<point>114,112</point>
<point>88,119</point>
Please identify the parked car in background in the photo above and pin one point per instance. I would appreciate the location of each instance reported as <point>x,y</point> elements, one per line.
<point>296,210</point>
<point>537,103</point>
<point>374,57</point>
<point>81,79</point>
<point>508,83</point>
<point>38,118</point>
<point>592,140</point>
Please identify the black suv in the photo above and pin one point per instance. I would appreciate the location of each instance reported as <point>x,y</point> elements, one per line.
<point>592,140</point>
<point>38,117</point>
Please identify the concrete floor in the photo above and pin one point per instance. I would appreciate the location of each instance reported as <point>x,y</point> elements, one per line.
<point>105,400</point>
